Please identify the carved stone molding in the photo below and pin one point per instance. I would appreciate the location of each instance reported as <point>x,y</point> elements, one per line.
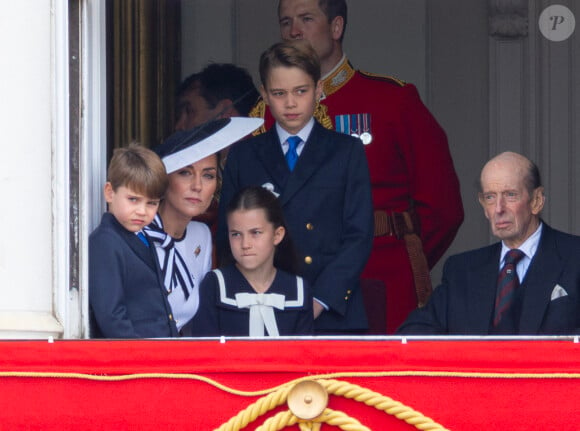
<point>508,19</point>
<point>29,325</point>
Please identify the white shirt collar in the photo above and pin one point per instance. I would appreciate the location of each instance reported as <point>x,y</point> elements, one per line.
<point>336,66</point>
<point>529,246</point>
<point>302,134</point>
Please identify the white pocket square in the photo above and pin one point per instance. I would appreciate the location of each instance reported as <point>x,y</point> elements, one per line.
<point>558,292</point>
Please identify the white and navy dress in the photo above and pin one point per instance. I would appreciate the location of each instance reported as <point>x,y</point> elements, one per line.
<point>230,306</point>
<point>184,263</point>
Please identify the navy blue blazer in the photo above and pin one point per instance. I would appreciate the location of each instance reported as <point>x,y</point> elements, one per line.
<point>126,294</point>
<point>327,204</point>
<point>463,304</point>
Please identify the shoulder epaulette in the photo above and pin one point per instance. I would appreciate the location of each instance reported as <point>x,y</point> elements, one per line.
<point>259,111</point>
<point>380,77</point>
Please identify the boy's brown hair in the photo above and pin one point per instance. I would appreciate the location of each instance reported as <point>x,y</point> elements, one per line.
<point>294,53</point>
<point>138,169</point>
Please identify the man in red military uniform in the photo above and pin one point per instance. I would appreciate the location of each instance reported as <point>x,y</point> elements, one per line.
<point>415,189</point>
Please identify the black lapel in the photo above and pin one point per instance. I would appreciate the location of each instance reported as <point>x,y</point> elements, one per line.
<point>540,279</point>
<point>145,253</point>
<point>482,286</point>
<point>269,152</point>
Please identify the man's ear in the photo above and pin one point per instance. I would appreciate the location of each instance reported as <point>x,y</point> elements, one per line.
<point>337,27</point>
<point>108,192</point>
<point>538,200</point>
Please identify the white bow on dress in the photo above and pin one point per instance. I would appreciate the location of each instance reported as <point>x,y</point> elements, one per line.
<point>261,307</point>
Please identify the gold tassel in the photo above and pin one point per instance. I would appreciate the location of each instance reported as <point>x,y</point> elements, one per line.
<point>321,115</point>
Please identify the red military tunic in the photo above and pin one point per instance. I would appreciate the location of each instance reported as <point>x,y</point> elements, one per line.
<point>409,163</point>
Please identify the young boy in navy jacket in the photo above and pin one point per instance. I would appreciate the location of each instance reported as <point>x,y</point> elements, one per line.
<point>126,294</point>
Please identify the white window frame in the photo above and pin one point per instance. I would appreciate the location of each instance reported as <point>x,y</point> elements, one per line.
<point>71,302</point>
<point>94,135</point>
<point>60,167</point>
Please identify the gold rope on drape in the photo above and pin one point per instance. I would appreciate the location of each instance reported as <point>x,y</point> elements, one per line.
<point>144,70</point>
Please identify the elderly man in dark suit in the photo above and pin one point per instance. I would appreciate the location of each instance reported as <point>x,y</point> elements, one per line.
<point>529,283</point>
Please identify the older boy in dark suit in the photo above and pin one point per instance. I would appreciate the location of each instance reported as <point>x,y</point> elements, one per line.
<point>416,195</point>
<point>322,180</point>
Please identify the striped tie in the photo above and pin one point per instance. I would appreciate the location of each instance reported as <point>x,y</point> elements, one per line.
<point>292,154</point>
<point>173,267</point>
<point>507,283</point>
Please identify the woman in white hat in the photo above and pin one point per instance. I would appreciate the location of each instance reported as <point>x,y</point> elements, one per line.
<point>184,247</point>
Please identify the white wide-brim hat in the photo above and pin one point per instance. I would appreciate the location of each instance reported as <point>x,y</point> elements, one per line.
<point>184,148</point>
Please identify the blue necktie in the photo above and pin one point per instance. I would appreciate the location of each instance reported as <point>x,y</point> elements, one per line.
<point>291,154</point>
<point>143,238</point>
